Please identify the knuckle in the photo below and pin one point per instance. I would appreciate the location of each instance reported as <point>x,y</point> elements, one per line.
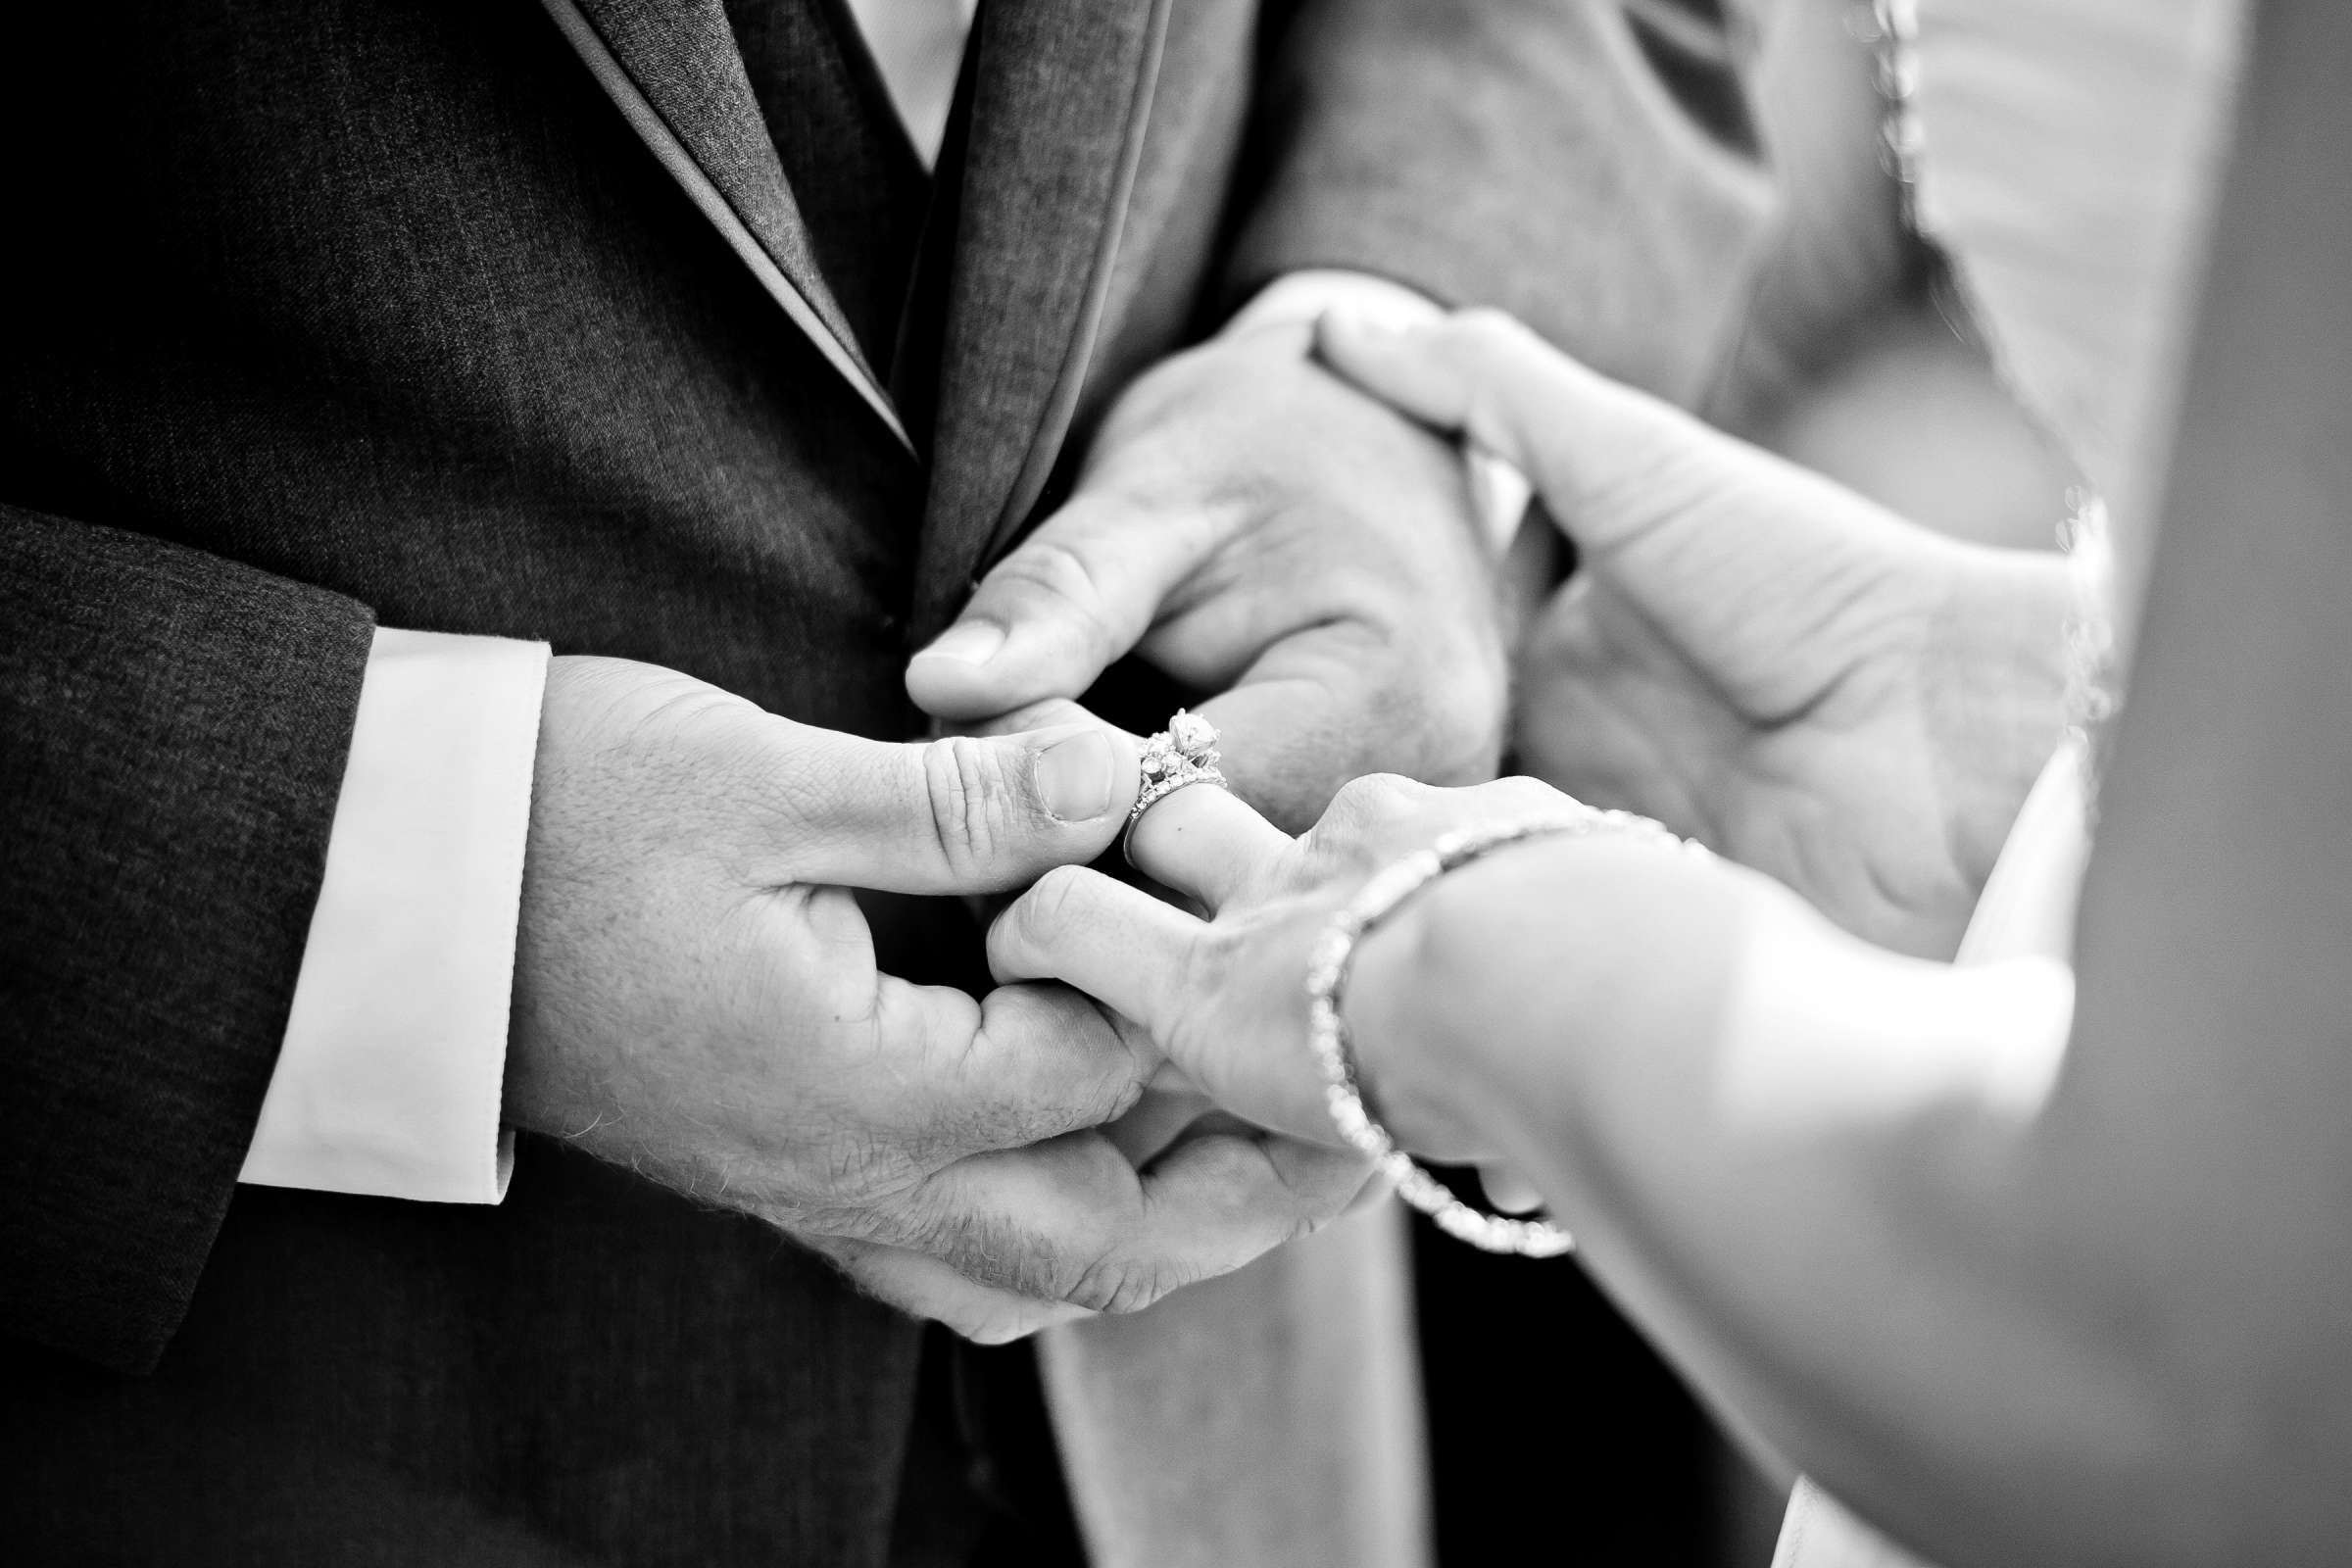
<point>1483,326</point>
<point>1375,798</point>
<point>1047,567</point>
<point>1044,912</point>
<point>973,804</point>
<point>1369,819</point>
<point>991,1250</point>
<point>1520,794</point>
<point>1118,1285</point>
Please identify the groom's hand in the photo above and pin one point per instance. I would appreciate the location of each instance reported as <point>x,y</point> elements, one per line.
<point>1253,527</point>
<point>697,996</point>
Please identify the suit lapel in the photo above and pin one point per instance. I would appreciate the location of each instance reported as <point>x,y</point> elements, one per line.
<point>1062,94</point>
<point>673,70</point>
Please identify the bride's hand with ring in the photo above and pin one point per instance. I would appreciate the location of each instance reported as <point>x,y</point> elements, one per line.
<point>1222,992</point>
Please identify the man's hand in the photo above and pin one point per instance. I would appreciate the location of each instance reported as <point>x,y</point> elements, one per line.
<point>697,996</point>
<point>1253,527</point>
<point>1750,653</point>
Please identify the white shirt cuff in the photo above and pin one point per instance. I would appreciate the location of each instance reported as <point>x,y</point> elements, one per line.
<point>1498,492</point>
<point>389,1080</point>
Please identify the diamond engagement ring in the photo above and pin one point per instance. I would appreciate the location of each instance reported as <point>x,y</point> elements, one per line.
<point>1183,753</point>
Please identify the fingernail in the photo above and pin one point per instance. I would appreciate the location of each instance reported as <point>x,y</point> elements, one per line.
<point>969,642</point>
<point>1076,774</point>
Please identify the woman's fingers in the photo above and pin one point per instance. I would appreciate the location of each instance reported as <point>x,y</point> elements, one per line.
<point>1203,842</point>
<point>1119,945</point>
<point>1208,997</point>
<point>1598,452</point>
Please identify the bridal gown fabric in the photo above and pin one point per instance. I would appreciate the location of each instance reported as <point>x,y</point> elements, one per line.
<point>2071,159</point>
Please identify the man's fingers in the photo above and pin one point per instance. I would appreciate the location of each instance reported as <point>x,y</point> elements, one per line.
<point>1205,843</point>
<point>1117,944</point>
<point>926,1288</point>
<point>1053,614</point>
<point>1038,1061</point>
<point>1053,712</point>
<point>962,814</point>
<point>1597,450</point>
<point>1289,742</point>
<point>1158,1120</point>
<point>1316,713</point>
<point>1070,1221</point>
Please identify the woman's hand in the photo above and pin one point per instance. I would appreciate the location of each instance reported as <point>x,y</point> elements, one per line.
<point>1224,996</point>
<point>1755,656</point>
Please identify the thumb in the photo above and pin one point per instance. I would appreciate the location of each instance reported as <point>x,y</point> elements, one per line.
<point>1052,615</point>
<point>964,813</point>
<point>1607,460</point>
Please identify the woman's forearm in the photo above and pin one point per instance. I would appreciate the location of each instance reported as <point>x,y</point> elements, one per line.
<point>1833,1227</point>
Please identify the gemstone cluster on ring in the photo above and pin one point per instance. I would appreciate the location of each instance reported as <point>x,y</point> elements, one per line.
<point>1188,744</point>
<point>1182,754</point>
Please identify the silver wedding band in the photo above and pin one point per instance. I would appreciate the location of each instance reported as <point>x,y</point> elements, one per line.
<point>1183,755</point>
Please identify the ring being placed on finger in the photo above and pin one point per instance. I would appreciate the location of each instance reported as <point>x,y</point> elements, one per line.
<point>1182,754</point>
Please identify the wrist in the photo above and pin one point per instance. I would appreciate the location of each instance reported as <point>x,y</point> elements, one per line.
<point>1479,1008</point>
<point>1437,986</point>
<point>586,694</point>
<point>1400,1044</point>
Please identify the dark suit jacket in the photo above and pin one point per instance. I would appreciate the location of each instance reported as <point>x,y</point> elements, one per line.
<point>591,323</point>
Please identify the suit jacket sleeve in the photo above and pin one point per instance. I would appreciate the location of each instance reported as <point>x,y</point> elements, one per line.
<point>173,728</point>
<point>1589,167</point>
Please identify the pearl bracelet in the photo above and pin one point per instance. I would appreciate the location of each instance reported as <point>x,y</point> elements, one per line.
<point>1327,1032</point>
